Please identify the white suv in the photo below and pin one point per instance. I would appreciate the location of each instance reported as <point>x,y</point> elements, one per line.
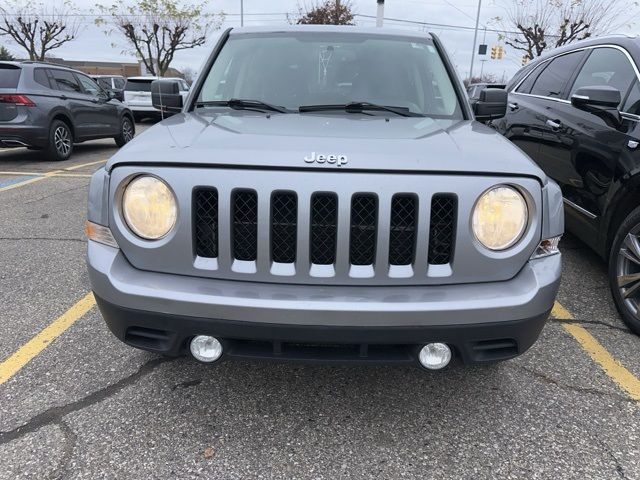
<point>137,95</point>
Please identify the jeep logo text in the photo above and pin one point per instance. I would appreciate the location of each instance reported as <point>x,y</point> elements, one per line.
<point>338,160</point>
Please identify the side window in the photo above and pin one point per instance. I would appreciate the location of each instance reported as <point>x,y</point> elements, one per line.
<point>632,103</point>
<point>554,77</point>
<point>104,82</point>
<point>119,83</point>
<point>525,87</point>
<point>66,81</point>
<point>89,86</point>
<point>606,66</point>
<point>41,78</point>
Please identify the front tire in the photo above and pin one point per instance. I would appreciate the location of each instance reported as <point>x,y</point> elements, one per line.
<point>624,270</point>
<point>127,132</point>
<point>60,145</point>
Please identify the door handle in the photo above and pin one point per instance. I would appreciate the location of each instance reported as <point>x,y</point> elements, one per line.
<point>554,124</point>
<point>94,100</point>
<point>513,106</point>
<point>63,97</point>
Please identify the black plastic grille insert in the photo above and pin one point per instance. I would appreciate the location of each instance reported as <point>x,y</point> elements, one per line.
<point>402,233</point>
<point>444,208</point>
<point>205,222</point>
<point>364,216</point>
<point>324,228</point>
<point>245,225</point>
<point>284,226</point>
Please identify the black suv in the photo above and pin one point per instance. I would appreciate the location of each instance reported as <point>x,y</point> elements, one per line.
<point>576,112</point>
<point>50,107</point>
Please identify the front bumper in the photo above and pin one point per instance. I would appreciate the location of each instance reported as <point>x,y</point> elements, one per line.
<point>482,322</point>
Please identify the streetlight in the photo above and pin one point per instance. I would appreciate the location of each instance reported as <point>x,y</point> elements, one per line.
<point>380,16</point>
<point>475,40</point>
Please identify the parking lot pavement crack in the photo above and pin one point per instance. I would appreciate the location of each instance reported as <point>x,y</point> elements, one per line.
<point>54,415</point>
<point>61,192</point>
<point>565,386</point>
<point>70,440</point>
<point>592,322</point>
<point>50,239</point>
<point>619,468</point>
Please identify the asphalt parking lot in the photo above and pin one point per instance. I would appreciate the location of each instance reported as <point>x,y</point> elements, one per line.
<point>76,403</point>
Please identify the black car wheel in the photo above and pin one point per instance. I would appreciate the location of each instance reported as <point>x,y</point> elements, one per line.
<point>60,141</point>
<point>624,270</point>
<point>127,132</point>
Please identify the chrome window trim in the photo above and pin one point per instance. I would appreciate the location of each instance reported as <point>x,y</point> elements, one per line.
<point>630,116</point>
<point>578,208</point>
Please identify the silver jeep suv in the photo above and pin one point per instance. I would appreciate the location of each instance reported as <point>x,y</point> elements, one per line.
<point>325,194</point>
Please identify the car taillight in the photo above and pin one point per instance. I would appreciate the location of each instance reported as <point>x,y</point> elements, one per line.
<point>16,99</point>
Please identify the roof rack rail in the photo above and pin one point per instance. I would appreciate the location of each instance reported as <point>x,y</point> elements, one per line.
<point>44,62</point>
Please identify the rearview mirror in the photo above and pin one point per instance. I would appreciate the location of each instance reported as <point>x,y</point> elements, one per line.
<point>602,101</point>
<point>165,95</point>
<point>491,105</point>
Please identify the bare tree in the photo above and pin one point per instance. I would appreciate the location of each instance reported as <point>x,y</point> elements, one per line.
<point>327,12</point>
<point>534,26</point>
<point>156,29</point>
<point>189,74</point>
<point>485,78</point>
<point>39,27</point>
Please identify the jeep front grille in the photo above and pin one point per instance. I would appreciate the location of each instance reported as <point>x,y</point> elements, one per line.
<point>322,218</point>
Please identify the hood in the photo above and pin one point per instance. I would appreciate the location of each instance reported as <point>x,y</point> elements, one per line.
<point>369,142</point>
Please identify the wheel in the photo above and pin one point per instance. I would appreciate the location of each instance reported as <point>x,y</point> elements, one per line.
<point>60,141</point>
<point>624,270</point>
<point>127,131</point>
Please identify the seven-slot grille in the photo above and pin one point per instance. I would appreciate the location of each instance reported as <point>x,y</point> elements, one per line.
<point>322,214</point>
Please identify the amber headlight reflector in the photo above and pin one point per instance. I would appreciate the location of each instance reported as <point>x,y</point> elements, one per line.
<point>149,207</point>
<point>500,217</point>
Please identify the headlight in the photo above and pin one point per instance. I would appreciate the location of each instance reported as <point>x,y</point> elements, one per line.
<point>500,217</point>
<point>149,207</point>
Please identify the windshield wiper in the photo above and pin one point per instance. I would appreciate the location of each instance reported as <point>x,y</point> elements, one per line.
<point>240,104</point>
<point>359,107</point>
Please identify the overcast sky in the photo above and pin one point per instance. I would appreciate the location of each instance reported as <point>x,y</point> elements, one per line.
<point>92,44</point>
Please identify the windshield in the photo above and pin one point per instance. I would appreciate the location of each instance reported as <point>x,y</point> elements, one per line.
<point>300,69</point>
<point>138,85</point>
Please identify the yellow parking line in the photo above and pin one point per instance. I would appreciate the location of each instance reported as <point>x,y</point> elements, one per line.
<point>75,167</point>
<point>626,380</point>
<point>22,184</point>
<point>24,174</point>
<point>22,356</point>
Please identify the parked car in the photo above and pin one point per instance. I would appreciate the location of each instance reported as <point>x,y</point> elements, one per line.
<point>50,107</point>
<point>325,195</point>
<point>137,96</point>
<point>576,112</point>
<point>474,89</point>
<point>112,83</point>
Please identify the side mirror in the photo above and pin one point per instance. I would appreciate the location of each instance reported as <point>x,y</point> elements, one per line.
<point>111,94</point>
<point>602,101</point>
<point>491,105</point>
<point>600,96</point>
<point>165,95</point>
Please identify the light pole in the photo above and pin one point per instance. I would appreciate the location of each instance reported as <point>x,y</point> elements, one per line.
<point>380,16</point>
<point>242,13</point>
<point>475,40</point>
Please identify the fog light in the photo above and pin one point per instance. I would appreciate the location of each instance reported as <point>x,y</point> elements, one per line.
<point>435,356</point>
<point>205,348</point>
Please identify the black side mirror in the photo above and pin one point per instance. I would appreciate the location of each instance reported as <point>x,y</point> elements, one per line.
<point>601,101</point>
<point>491,105</point>
<point>165,95</point>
